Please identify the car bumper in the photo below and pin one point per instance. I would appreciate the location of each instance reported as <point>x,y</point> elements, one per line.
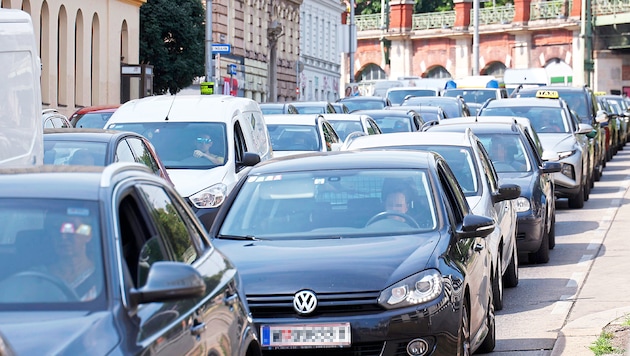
<point>530,232</point>
<point>386,332</point>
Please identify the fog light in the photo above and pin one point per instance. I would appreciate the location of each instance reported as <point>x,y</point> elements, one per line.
<point>417,347</point>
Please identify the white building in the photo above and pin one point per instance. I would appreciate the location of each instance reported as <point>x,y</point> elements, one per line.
<point>320,24</point>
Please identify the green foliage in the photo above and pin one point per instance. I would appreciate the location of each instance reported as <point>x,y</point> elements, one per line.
<point>602,345</point>
<point>172,39</point>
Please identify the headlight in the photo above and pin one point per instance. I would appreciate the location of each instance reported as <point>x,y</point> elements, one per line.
<point>522,204</point>
<point>565,154</point>
<point>420,288</point>
<point>567,170</point>
<point>210,197</point>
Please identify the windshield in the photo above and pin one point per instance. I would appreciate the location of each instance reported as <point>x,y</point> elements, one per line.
<point>51,254</point>
<point>397,96</point>
<point>294,137</point>
<point>451,108</point>
<point>345,128</point>
<point>93,120</point>
<point>354,105</point>
<point>543,119</point>
<point>332,204</point>
<point>74,153</point>
<point>389,124</point>
<point>184,145</point>
<point>472,95</point>
<point>506,152</point>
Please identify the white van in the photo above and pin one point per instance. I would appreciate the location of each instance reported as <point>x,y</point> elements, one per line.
<point>206,142</point>
<point>21,137</point>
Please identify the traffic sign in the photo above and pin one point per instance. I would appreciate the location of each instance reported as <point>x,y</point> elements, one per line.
<point>231,69</point>
<point>221,48</point>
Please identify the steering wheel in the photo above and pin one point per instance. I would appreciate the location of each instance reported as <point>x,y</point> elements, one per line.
<point>386,214</point>
<point>37,278</point>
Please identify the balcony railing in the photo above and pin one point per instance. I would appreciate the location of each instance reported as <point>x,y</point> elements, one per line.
<point>494,15</point>
<point>610,7</point>
<point>432,20</point>
<point>554,9</point>
<point>368,22</point>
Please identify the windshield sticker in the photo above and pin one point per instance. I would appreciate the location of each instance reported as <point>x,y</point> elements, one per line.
<point>319,181</point>
<point>78,212</point>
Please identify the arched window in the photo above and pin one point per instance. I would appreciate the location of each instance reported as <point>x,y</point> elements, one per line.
<point>371,72</point>
<point>437,72</point>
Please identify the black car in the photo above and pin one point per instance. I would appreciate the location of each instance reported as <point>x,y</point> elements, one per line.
<point>536,208</point>
<point>111,260</point>
<point>100,147</point>
<point>354,103</point>
<point>360,253</point>
<point>453,107</point>
<point>394,120</point>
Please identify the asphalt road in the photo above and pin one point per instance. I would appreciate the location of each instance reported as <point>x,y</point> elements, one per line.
<point>537,309</point>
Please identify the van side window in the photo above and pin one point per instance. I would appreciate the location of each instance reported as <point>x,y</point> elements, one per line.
<point>240,146</point>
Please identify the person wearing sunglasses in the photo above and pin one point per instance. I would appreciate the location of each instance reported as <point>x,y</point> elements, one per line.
<point>203,143</point>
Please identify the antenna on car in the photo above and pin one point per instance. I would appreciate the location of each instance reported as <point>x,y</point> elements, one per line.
<point>169,108</point>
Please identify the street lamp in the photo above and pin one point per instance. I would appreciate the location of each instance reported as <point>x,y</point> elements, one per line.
<point>274,32</point>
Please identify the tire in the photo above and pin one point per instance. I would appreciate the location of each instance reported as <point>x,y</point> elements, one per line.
<point>597,173</point>
<point>551,235</point>
<point>587,188</point>
<point>490,341</point>
<point>510,277</point>
<point>577,201</point>
<point>464,331</point>
<point>497,286</point>
<point>542,255</point>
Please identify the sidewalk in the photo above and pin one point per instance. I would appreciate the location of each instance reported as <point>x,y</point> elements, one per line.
<point>605,293</point>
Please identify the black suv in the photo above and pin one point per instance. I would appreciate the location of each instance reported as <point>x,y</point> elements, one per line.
<point>583,102</point>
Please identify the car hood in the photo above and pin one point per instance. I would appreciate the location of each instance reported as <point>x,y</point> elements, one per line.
<point>59,333</point>
<point>557,142</point>
<point>329,265</point>
<point>289,153</point>
<point>190,181</point>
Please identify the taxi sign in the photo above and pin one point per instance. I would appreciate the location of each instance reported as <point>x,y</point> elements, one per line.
<point>600,93</point>
<point>547,94</point>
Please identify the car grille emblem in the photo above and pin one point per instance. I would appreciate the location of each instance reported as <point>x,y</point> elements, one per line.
<point>304,302</point>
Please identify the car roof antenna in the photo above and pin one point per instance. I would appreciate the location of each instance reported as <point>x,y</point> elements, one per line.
<point>170,107</point>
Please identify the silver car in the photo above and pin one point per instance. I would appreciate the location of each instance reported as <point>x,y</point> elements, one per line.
<point>479,181</point>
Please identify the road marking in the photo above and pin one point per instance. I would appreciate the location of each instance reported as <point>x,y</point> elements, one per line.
<point>616,202</point>
<point>576,279</point>
<point>585,259</point>
<point>594,244</point>
<point>563,305</point>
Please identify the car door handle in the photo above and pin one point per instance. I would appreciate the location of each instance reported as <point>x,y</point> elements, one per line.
<point>478,247</point>
<point>197,328</point>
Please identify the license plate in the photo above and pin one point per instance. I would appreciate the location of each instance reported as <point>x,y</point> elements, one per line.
<point>298,335</point>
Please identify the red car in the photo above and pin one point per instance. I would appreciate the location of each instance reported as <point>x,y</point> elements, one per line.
<point>93,117</point>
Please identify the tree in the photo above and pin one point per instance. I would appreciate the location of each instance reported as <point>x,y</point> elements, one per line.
<point>172,39</point>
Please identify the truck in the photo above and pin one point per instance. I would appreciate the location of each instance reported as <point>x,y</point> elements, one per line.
<point>21,129</point>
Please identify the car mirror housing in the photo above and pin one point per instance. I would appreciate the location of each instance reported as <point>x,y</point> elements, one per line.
<point>476,226</point>
<point>169,281</point>
<point>249,159</point>
<point>584,129</point>
<point>506,192</point>
<point>551,167</point>
<point>550,156</point>
<point>601,116</point>
<point>336,146</point>
<point>592,134</point>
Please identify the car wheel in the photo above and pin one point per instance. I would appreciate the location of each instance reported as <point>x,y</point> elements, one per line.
<point>510,277</point>
<point>551,235</point>
<point>597,172</point>
<point>490,341</point>
<point>587,188</point>
<point>497,286</point>
<point>464,331</point>
<point>542,255</point>
<point>577,201</point>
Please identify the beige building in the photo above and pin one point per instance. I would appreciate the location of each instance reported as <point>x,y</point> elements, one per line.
<point>82,45</point>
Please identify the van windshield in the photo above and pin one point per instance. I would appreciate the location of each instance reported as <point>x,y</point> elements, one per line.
<point>184,145</point>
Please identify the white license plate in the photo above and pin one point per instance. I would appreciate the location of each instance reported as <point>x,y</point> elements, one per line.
<point>297,335</point>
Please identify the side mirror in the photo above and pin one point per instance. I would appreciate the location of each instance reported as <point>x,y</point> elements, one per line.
<point>169,281</point>
<point>550,156</point>
<point>601,116</point>
<point>592,134</point>
<point>506,192</point>
<point>476,226</point>
<point>551,167</point>
<point>249,159</point>
<point>336,146</point>
<point>584,129</point>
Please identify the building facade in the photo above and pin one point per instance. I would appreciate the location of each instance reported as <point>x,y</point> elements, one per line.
<point>320,70</point>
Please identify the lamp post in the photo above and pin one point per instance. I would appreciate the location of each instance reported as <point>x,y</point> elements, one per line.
<point>475,49</point>
<point>274,32</point>
<point>352,39</point>
<point>209,65</point>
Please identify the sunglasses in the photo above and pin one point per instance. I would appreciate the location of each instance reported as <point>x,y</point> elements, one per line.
<point>203,140</point>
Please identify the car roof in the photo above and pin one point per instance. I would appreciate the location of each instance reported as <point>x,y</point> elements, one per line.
<point>477,127</point>
<point>87,109</point>
<point>292,119</point>
<point>81,134</point>
<point>363,98</point>
<point>343,160</point>
<point>412,139</point>
<point>345,117</point>
<point>182,108</point>
<point>520,102</point>
<point>552,87</point>
<point>383,112</point>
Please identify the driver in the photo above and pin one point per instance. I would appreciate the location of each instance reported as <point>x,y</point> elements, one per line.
<point>396,200</point>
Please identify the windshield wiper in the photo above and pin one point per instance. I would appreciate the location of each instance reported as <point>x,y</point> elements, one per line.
<point>237,237</point>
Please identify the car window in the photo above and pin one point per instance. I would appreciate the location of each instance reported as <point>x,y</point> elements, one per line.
<point>330,136</point>
<point>294,137</point>
<point>143,154</point>
<point>345,128</point>
<point>506,152</point>
<point>488,168</point>
<point>317,203</point>
<point>93,120</point>
<point>454,199</point>
<point>124,153</point>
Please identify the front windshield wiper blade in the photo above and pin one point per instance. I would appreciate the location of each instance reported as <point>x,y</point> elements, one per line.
<point>237,237</point>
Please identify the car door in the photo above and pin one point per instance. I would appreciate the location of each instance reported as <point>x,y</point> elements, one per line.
<point>155,226</point>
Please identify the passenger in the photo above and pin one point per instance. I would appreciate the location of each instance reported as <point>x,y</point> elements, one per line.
<point>203,143</point>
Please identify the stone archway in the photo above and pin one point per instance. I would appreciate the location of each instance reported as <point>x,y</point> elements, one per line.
<point>370,71</point>
<point>496,69</point>
<point>437,71</point>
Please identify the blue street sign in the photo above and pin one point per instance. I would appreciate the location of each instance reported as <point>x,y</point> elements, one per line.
<point>221,48</point>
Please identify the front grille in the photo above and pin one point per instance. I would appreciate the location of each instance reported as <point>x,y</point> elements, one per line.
<point>338,304</point>
<point>371,349</point>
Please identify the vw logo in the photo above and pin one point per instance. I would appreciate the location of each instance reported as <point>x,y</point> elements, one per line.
<point>304,302</point>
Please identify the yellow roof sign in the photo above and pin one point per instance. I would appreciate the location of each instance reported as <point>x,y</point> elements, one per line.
<point>600,93</point>
<point>547,94</point>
